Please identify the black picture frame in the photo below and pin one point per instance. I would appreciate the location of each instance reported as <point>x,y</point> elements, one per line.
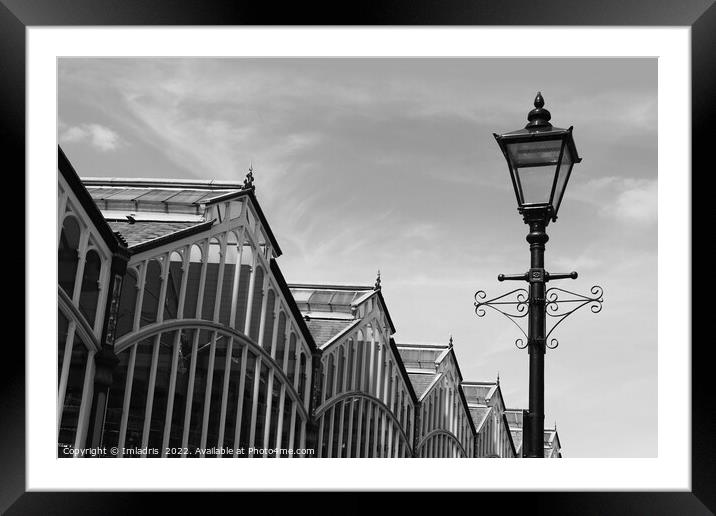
<point>17,15</point>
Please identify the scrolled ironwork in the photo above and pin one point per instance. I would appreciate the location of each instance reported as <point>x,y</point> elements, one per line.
<point>561,303</point>
<point>514,305</point>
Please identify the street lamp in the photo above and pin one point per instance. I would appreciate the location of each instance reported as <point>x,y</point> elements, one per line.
<point>540,158</point>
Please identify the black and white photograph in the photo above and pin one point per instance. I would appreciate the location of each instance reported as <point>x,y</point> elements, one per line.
<point>382,257</point>
<point>276,257</point>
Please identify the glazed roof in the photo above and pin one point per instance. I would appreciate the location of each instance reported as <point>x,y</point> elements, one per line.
<point>141,232</point>
<point>421,382</point>
<point>479,392</point>
<point>324,300</point>
<point>478,415</point>
<point>323,330</point>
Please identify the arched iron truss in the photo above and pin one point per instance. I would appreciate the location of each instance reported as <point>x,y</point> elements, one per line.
<point>437,432</point>
<point>82,327</point>
<point>559,304</point>
<point>201,324</point>
<point>319,412</point>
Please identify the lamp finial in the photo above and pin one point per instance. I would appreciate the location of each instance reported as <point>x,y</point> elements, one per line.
<point>539,117</point>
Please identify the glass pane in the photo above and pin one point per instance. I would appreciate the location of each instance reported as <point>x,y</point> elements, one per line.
<point>535,184</point>
<point>335,445</point>
<point>152,287</point>
<point>115,403</point>
<point>89,294</point>
<point>67,255</point>
<point>531,153</point>
<point>138,400</point>
<point>291,363</point>
<point>227,289</point>
<point>243,294</point>
<point>281,339</point>
<point>211,282</point>
<point>198,403</point>
<point>62,326</point>
<point>181,392</point>
<point>275,409</point>
<point>326,419</point>
<point>171,302</point>
<point>217,390</point>
<point>161,391</point>
<point>232,401</point>
<point>247,404</point>
<point>302,376</point>
<point>193,282</point>
<point>564,170</point>
<point>127,302</point>
<point>268,324</point>
<point>256,304</point>
<point>73,394</point>
<point>286,427</point>
<point>329,377</point>
<point>261,409</point>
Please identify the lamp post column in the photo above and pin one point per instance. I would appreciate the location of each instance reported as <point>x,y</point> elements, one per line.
<point>536,340</point>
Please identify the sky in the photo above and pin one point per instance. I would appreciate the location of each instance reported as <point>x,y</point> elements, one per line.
<point>390,164</point>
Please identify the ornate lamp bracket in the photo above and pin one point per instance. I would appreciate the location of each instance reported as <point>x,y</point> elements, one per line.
<point>513,305</point>
<point>561,303</point>
<point>558,302</point>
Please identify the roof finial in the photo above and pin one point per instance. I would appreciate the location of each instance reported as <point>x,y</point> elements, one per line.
<point>498,378</point>
<point>249,180</point>
<point>450,340</point>
<point>377,282</point>
<point>539,117</point>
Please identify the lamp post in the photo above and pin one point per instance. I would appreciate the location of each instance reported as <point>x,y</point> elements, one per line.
<point>540,158</point>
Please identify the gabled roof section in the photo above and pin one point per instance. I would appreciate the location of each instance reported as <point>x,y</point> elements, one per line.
<point>75,183</point>
<point>478,415</point>
<point>196,184</point>
<point>422,356</point>
<point>171,196</point>
<point>511,435</point>
<point>336,301</point>
<point>323,300</point>
<point>480,393</point>
<point>325,330</point>
<point>421,382</point>
<point>278,276</point>
<point>513,419</point>
<point>147,234</point>
<point>403,371</point>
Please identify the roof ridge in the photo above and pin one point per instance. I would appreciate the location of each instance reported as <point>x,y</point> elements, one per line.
<point>144,182</point>
<point>316,286</point>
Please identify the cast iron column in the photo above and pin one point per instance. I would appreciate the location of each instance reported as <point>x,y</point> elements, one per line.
<point>536,340</point>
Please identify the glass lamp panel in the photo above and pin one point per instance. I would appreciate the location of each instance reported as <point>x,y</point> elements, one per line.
<point>534,153</point>
<point>565,168</point>
<point>535,184</point>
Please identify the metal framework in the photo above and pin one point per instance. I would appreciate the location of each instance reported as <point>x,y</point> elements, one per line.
<point>558,303</point>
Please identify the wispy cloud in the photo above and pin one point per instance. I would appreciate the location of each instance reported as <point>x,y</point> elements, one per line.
<point>363,164</point>
<point>638,203</point>
<point>100,137</point>
<point>627,199</point>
